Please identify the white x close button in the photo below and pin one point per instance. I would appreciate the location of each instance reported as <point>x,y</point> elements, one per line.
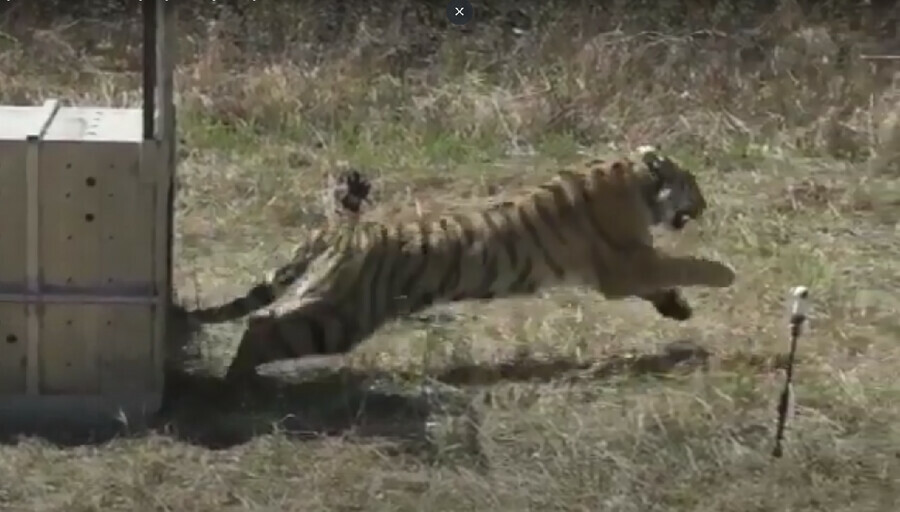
<point>459,12</point>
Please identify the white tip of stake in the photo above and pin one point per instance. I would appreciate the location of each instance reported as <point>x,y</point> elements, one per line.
<point>800,304</point>
<point>800,292</point>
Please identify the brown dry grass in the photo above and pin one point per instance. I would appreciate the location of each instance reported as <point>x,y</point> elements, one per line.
<point>547,403</point>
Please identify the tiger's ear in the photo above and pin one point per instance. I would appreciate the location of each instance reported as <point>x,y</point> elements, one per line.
<point>650,157</point>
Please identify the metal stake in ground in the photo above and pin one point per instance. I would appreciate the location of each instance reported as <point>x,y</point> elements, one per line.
<point>799,310</point>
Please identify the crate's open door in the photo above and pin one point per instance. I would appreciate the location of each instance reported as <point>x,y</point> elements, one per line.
<point>159,128</point>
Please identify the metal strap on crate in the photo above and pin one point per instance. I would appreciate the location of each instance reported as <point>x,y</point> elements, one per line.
<point>32,244</point>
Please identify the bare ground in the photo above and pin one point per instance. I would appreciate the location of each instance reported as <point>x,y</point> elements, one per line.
<point>558,402</point>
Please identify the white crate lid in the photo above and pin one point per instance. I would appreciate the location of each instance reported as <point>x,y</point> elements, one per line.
<point>17,123</point>
<point>89,124</point>
<point>93,124</point>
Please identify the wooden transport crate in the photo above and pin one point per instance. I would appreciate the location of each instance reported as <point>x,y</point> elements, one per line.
<point>83,263</point>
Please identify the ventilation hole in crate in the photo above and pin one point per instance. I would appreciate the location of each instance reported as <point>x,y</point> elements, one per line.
<point>11,338</point>
<point>109,323</point>
<point>110,195</point>
<point>69,321</point>
<point>68,195</point>
<point>68,364</point>
<point>68,280</point>
<point>90,181</point>
<point>111,237</point>
<point>68,166</point>
<point>68,237</point>
<point>89,217</point>
<point>109,280</point>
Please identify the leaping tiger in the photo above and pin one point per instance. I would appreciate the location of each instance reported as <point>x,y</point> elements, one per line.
<point>588,226</point>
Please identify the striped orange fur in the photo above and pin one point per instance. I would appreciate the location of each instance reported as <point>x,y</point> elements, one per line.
<point>588,226</point>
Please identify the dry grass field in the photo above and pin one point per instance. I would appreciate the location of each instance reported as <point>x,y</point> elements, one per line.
<point>557,402</point>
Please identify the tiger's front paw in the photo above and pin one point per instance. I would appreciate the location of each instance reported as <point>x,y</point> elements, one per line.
<point>671,304</point>
<point>720,275</point>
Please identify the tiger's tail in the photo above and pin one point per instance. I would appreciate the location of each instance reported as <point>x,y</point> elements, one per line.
<point>350,191</point>
<point>265,293</point>
<point>259,296</point>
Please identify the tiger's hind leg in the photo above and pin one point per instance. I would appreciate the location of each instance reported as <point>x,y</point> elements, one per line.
<point>253,349</point>
<point>312,328</point>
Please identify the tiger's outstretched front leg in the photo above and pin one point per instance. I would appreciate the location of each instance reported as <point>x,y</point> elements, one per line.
<point>650,271</point>
<point>657,277</point>
<point>663,271</point>
<point>670,303</point>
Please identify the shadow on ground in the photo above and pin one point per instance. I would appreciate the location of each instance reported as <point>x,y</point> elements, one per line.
<point>201,410</point>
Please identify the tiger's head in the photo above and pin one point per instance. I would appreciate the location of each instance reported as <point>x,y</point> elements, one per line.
<point>674,197</point>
